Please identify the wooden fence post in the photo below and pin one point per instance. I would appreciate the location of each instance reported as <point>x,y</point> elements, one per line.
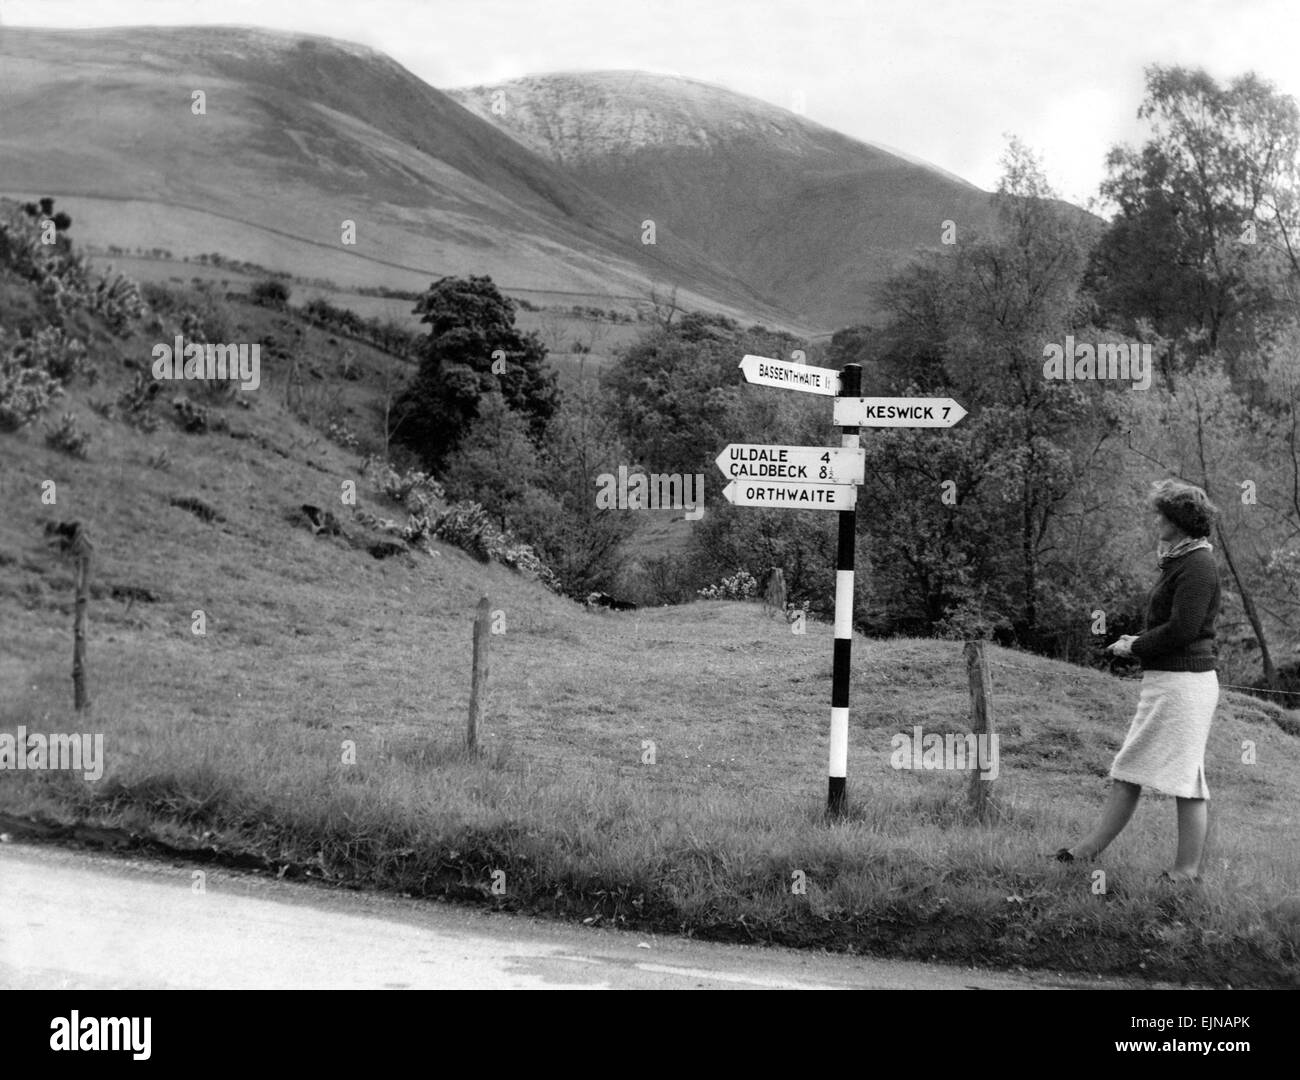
<point>774,591</point>
<point>982,724</point>
<point>478,680</point>
<point>82,549</point>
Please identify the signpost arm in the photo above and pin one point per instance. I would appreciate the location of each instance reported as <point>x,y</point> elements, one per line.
<point>836,796</point>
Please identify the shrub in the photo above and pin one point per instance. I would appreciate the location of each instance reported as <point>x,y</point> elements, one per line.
<point>192,418</point>
<point>116,300</point>
<point>740,586</point>
<point>270,292</point>
<point>55,352</point>
<point>63,278</point>
<point>339,432</point>
<point>414,489</point>
<point>468,526</point>
<point>67,438</point>
<point>25,392</point>
<point>136,404</point>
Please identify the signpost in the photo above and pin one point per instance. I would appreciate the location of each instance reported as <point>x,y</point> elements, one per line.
<point>799,464</point>
<point>825,478</point>
<point>782,496</point>
<point>836,788</point>
<point>897,412</point>
<point>788,376</point>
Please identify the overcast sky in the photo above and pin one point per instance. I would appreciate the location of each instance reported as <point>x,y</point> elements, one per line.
<point>943,80</point>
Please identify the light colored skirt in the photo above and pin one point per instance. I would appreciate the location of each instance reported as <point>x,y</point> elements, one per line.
<point>1165,745</point>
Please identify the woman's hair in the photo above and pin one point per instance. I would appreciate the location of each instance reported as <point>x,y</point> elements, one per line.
<point>1186,505</point>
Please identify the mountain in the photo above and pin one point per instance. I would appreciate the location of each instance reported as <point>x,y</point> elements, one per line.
<point>300,134</point>
<point>544,183</point>
<point>806,215</point>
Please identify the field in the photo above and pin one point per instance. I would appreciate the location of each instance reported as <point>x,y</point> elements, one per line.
<point>316,730</point>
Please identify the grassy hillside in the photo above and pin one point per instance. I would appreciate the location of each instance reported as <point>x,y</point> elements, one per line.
<point>315,729</point>
<point>300,134</point>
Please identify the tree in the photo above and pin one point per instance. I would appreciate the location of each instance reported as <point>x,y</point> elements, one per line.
<point>1207,214</point>
<point>579,541</point>
<point>663,307</point>
<point>495,464</point>
<point>675,389</point>
<point>971,321</point>
<point>471,331</point>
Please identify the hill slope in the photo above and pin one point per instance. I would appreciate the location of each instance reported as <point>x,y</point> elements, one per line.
<point>799,211</point>
<point>662,769</point>
<point>299,135</point>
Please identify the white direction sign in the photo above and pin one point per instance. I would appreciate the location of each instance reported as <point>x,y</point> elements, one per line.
<point>896,412</point>
<point>789,376</point>
<point>800,464</point>
<point>781,496</point>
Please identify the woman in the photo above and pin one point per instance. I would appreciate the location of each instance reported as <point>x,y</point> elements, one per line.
<point>1165,745</point>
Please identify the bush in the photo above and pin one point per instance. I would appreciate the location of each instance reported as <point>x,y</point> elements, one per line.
<point>197,312</point>
<point>197,419</point>
<point>67,438</point>
<point>468,526</point>
<point>270,292</point>
<point>740,586</point>
<point>25,392</point>
<point>117,300</point>
<point>414,489</point>
<point>136,404</point>
<point>63,278</point>
<point>53,351</point>
<point>339,432</point>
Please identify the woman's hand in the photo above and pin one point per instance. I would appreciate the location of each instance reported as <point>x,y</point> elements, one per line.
<point>1124,646</point>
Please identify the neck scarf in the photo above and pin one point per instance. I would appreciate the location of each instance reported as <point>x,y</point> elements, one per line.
<point>1182,548</point>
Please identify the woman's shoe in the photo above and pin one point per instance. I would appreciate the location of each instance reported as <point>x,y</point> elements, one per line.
<point>1066,855</point>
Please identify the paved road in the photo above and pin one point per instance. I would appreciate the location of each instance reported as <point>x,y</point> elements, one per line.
<point>69,920</point>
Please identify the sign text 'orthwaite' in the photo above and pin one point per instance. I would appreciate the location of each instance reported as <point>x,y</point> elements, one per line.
<point>791,496</point>
<point>801,464</point>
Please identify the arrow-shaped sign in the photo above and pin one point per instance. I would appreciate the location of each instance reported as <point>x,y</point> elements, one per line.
<point>788,376</point>
<point>782,496</point>
<point>896,412</point>
<point>801,464</point>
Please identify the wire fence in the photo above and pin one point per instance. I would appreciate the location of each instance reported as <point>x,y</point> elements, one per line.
<point>694,775</point>
<point>1056,675</point>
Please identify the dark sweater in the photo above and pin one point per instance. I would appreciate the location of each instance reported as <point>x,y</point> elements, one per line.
<point>1180,616</point>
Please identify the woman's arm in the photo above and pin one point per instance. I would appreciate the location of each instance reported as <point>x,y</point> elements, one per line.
<point>1192,598</point>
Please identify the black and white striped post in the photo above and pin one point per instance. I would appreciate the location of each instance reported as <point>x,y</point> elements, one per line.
<point>836,796</point>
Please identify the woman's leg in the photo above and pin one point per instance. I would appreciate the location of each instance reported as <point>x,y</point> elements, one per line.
<point>1120,804</point>
<point>1192,819</point>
